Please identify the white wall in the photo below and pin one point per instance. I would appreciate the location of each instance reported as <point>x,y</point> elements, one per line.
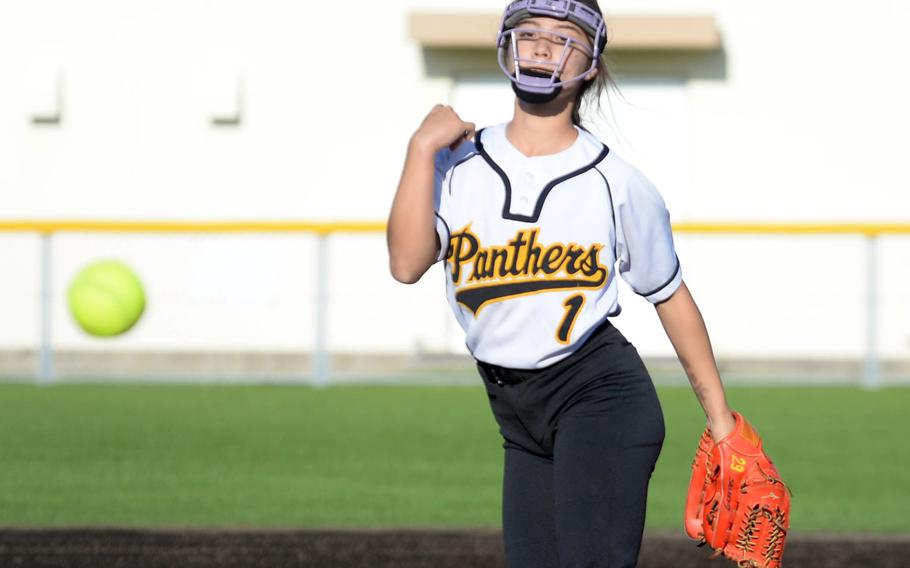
<point>801,118</point>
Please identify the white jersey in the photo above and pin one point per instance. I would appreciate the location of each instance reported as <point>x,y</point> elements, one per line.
<point>531,244</point>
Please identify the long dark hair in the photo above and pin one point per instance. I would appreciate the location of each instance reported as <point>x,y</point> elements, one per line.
<point>591,91</point>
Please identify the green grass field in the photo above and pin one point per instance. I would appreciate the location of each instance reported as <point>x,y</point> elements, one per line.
<point>274,456</point>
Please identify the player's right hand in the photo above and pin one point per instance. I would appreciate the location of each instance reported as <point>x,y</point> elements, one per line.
<point>442,128</point>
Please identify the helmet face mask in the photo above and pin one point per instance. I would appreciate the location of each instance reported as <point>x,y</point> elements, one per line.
<point>543,78</point>
<point>539,81</point>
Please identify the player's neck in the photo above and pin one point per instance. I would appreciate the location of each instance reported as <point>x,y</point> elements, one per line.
<point>539,134</point>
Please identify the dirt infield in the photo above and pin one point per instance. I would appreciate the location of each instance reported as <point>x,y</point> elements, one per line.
<point>119,548</point>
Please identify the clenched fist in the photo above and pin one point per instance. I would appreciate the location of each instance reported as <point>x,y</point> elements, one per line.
<point>442,128</point>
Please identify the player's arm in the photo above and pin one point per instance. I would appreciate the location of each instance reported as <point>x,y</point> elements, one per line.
<point>686,330</point>
<point>411,235</point>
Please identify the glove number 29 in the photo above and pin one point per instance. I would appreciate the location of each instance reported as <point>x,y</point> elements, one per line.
<point>738,464</point>
<point>573,305</point>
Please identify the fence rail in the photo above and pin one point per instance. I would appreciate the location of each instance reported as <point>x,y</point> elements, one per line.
<point>329,227</point>
<point>323,230</point>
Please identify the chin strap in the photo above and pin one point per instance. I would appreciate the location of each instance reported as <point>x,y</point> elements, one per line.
<point>534,97</point>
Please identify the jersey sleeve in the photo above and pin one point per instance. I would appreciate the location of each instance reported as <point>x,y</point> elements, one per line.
<point>647,256</point>
<point>441,165</point>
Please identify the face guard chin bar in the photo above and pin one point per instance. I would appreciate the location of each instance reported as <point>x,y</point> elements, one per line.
<point>541,86</point>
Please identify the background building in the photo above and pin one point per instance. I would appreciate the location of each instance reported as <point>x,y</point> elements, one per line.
<point>240,110</point>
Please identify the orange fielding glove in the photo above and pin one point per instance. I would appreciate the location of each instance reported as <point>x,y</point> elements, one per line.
<point>737,502</point>
<point>695,498</point>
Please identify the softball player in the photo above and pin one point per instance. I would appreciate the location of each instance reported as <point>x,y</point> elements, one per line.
<point>535,218</point>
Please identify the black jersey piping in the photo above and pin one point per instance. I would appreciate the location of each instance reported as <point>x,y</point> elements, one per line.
<point>451,176</point>
<point>664,285</point>
<point>538,207</point>
<point>612,215</point>
<point>458,163</point>
<point>444,246</point>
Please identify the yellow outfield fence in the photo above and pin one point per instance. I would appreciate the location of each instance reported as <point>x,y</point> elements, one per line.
<point>47,228</point>
<point>96,226</point>
<point>868,229</point>
<point>329,227</point>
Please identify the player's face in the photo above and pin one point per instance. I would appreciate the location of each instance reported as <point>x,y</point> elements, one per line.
<point>548,44</point>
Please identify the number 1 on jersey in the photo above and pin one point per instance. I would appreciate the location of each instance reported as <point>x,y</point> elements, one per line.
<point>573,306</point>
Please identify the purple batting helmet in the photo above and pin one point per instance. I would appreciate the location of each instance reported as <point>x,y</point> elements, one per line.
<point>533,85</point>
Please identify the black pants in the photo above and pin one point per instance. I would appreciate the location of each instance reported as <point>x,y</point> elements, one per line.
<point>581,439</point>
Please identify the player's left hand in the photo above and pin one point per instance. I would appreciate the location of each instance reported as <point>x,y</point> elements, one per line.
<point>721,425</point>
<point>737,502</point>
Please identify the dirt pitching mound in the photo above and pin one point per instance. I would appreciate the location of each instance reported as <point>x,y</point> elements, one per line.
<point>122,548</point>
